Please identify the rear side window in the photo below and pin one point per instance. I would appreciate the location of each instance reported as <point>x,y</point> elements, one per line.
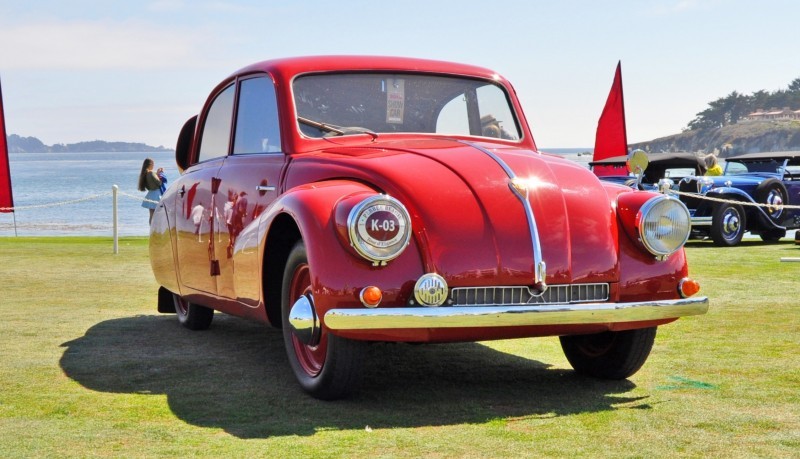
<point>257,127</point>
<point>217,128</point>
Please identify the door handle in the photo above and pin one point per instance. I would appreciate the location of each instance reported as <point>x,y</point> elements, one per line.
<point>265,188</point>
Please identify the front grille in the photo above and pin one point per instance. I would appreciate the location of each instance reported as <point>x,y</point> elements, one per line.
<point>522,295</point>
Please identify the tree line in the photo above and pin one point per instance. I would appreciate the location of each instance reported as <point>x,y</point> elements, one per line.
<point>733,107</point>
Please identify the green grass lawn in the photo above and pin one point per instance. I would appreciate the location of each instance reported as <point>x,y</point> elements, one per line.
<point>89,369</point>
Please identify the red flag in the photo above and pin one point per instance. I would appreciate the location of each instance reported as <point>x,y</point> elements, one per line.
<point>6,198</point>
<point>612,137</point>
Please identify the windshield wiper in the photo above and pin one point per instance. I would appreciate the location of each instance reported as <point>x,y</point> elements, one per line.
<point>338,130</point>
<point>320,126</point>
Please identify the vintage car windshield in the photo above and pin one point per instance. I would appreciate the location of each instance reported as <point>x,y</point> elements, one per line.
<point>770,166</point>
<point>375,103</point>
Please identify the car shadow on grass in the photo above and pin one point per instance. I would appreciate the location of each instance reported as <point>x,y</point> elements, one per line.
<point>236,377</point>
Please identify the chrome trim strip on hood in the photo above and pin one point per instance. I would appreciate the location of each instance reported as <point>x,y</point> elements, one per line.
<point>512,316</point>
<point>539,266</point>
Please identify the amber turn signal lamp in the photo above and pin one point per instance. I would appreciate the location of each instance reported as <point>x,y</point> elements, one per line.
<point>688,287</point>
<point>371,296</point>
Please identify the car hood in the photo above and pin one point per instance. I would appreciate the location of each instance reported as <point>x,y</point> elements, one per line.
<point>469,224</point>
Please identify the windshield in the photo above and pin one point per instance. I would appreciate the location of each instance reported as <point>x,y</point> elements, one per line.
<point>375,103</point>
<point>770,166</point>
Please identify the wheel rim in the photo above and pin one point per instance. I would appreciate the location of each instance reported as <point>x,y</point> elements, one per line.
<point>181,306</point>
<point>310,358</point>
<point>731,223</point>
<point>597,345</point>
<point>774,203</point>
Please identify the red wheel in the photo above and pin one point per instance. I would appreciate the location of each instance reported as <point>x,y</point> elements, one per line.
<point>326,366</point>
<point>310,357</point>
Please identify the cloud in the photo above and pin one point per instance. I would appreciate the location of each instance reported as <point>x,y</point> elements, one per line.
<point>93,45</point>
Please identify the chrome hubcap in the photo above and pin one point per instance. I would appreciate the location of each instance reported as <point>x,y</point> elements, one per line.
<point>304,322</point>
<point>730,223</point>
<point>774,204</point>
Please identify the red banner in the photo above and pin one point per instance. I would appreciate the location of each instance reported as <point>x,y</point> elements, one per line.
<point>6,198</point>
<point>612,137</point>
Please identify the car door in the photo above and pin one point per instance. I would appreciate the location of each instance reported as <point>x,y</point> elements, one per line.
<point>198,222</point>
<point>249,183</point>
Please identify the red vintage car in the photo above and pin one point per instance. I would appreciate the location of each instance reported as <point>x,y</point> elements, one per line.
<point>350,200</point>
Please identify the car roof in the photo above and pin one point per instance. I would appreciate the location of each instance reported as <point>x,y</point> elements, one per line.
<point>680,159</point>
<point>792,156</point>
<point>290,66</point>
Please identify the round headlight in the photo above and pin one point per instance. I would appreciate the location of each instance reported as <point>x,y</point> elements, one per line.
<point>664,225</point>
<point>379,228</point>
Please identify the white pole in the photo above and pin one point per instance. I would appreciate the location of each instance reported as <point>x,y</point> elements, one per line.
<point>114,189</point>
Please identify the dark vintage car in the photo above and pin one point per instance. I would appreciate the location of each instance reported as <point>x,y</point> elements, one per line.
<point>770,179</point>
<point>350,200</point>
<point>674,166</point>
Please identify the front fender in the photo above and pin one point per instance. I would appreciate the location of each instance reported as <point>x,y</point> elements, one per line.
<point>735,194</point>
<point>337,273</point>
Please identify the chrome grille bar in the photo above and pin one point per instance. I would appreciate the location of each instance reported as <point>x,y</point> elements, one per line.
<point>522,295</point>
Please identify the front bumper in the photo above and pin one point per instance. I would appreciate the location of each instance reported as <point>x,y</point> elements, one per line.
<point>512,316</point>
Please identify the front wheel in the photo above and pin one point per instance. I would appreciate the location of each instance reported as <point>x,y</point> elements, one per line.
<point>328,367</point>
<point>191,315</point>
<point>609,355</point>
<point>728,223</point>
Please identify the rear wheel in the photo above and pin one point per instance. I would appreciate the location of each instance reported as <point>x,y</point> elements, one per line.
<point>772,235</point>
<point>728,223</point>
<point>609,355</point>
<point>328,367</point>
<point>192,316</point>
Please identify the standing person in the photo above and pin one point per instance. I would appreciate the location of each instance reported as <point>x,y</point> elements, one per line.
<point>151,182</point>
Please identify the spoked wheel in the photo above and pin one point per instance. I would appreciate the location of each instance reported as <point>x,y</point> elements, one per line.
<point>326,366</point>
<point>728,223</point>
<point>192,316</point>
<point>609,355</point>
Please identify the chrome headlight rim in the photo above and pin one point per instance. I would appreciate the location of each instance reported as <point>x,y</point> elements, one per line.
<point>644,216</point>
<point>378,251</point>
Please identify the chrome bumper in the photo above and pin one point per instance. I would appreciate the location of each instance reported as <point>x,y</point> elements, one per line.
<point>512,316</point>
<point>701,221</point>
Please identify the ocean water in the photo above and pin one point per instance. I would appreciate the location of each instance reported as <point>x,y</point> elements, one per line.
<point>45,183</point>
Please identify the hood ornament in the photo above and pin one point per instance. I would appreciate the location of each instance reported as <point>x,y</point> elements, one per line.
<point>521,189</point>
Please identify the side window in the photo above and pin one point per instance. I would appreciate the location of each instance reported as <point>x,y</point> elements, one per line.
<point>257,127</point>
<point>217,128</point>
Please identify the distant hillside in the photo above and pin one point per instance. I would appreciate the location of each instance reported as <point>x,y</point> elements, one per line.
<point>17,144</point>
<point>733,139</point>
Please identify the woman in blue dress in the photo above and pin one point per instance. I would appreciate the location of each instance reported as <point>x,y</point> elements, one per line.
<point>153,183</point>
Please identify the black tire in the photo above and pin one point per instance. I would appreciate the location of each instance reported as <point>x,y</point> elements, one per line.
<point>191,315</point>
<point>609,355</point>
<point>330,369</point>
<point>773,235</point>
<point>728,224</point>
<point>772,191</point>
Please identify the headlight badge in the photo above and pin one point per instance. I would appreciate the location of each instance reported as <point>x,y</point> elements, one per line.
<point>664,225</point>
<point>379,228</point>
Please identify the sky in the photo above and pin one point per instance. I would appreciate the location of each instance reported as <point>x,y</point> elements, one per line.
<point>136,71</point>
